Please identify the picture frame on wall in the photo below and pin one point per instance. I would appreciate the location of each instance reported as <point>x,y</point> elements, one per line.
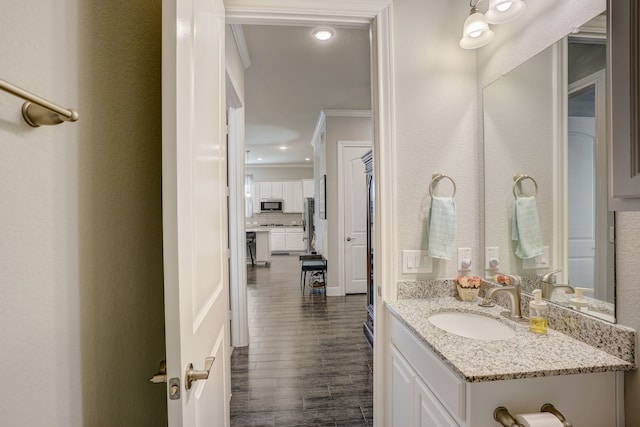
<point>322,210</point>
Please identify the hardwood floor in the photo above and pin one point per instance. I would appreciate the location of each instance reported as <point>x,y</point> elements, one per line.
<point>308,363</point>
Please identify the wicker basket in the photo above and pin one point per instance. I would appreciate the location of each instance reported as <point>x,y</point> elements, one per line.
<point>468,294</point>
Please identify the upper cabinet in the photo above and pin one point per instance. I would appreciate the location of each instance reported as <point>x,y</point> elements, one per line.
<point>624,147</point>
<point>290,192</point>
<point>292,196</point>
<point>308,188</point>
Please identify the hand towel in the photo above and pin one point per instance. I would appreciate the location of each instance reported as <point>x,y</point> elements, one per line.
<point>526,228</point>
<point>442,228</point>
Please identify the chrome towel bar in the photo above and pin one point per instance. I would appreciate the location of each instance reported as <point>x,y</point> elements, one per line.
<point>437,177</point>
<point>517,178</point>
<point>37,111</point>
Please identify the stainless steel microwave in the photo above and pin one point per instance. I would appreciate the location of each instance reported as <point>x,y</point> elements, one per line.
<point>270,205</point>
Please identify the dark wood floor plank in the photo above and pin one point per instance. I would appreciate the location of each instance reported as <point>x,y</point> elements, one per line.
<point>308,363</point>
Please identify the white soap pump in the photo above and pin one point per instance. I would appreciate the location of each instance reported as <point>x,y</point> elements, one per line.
<point>578,301</point>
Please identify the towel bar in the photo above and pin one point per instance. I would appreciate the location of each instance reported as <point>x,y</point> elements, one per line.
<point>437,177</point>
<point>517,178</point>
<point>502,415</point>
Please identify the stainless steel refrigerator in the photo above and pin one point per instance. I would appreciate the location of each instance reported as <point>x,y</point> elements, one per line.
<point>307,224</point>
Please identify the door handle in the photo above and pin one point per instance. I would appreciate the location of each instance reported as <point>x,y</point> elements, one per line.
<point>192,375</point>
<point>161,375</point>
<point>349,239</point>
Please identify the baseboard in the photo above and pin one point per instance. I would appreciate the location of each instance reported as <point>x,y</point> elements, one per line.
<point>334,291</point>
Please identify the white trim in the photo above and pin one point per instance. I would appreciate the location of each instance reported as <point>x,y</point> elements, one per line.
<point>560,256</point>
<point>315,138</point>
<point>241,44</point>
<point>237,259</point>
<point>348,113</point>
<point>342,282</point>
<point>281,165</point>
<point>380,11</point>
<point>385,246</point>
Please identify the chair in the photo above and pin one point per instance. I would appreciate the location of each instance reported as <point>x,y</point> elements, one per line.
<point>251,238</point>
<point>315,264</point>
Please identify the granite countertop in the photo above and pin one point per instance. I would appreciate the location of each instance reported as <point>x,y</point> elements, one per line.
<point>523,356</point>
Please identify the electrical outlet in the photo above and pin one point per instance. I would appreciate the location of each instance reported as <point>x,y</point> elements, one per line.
<point>541,261</point>
<point>464,259</point>
<point>416,262</point>
<point>491,253</point>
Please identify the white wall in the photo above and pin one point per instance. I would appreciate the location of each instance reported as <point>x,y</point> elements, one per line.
<point>280,173</point>
<point>436,113</point>
<point>81,253</point>
<point>339,126</point>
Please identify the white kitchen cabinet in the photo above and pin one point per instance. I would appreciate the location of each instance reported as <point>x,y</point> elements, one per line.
<point>278,241</point>
<point>255,197</point>
<point>292,196</point>
<point>270,190</point>
<point>294,239</point>
<point>308,188</point>
<point>426,392</point>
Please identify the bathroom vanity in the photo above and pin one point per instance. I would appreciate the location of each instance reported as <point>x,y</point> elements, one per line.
<point>444,379</point>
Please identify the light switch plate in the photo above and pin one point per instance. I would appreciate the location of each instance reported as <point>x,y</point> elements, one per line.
<point>416,262</point>
<point>541,261</point>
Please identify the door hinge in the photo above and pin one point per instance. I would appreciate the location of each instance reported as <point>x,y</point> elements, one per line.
<point>379,291</point>
<point>226,129</point>
<point>227,191</point>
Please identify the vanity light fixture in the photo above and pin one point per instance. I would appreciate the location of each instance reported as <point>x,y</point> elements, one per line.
<point>323,33</point>
<point>476,32</point>
<point>502,11</point>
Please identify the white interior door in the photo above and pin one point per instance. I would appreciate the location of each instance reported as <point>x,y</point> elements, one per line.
<point>354,196</point>
<point>194,210</point>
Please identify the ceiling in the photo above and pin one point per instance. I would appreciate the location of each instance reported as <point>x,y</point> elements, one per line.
<point>291,78</point>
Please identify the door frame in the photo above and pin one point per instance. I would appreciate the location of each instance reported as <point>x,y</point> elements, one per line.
<point>342,270</point>
<point>378,16</point>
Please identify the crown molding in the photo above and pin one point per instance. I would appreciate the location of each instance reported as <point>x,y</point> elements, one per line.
<point>241,43</point>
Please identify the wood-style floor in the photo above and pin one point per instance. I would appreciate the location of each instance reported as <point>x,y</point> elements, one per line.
<point>308,363</point>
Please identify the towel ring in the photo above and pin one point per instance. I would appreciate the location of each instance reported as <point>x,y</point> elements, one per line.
<point>521,177</point>
<point>437,177</point>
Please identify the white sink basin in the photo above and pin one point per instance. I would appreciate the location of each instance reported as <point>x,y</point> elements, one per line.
<point>471,325</point>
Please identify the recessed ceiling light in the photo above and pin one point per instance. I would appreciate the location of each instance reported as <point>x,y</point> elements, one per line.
<point>323,34</point>
<point>282,147</point>
<point>259,159</point>
<point>307,159</point>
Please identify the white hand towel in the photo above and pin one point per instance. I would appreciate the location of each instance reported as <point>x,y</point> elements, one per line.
<point>442,228</point>
<point>526,228</point>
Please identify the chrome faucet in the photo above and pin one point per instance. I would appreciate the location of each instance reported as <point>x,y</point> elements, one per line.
<point>548,284</point>
<point>513,290</point>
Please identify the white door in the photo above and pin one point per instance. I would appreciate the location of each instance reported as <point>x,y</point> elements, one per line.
<point>354,196</point>
<point>194,210</point>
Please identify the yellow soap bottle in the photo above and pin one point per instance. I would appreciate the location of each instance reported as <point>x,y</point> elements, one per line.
<point>538,313</point>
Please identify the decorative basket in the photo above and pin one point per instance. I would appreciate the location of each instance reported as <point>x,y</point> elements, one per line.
<point>468,294</point>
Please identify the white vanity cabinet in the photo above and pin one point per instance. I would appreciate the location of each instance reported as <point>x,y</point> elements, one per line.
<point>427,392</point>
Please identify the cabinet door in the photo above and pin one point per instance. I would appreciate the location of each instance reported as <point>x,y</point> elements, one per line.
<point>265,190</point>
<point>276,190</point>
<point>294,241</point>
<point>287,197</point>
<point>255,197</point>
<point>278,242</point>
<point>428,410</point>
<point>296,197</point>
<point>402,386</point>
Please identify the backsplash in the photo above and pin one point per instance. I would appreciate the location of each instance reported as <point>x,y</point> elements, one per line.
<point>617,340</point>
<point>275,218</point>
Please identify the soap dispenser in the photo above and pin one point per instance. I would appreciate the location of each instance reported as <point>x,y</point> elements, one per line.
<point>538,313</point>
<point>578,301</point>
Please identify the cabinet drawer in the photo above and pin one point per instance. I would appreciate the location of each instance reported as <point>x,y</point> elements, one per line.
<point>448,387</point>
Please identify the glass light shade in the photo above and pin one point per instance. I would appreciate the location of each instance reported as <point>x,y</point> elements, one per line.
<point>476,32</point>
<point>502,11</point>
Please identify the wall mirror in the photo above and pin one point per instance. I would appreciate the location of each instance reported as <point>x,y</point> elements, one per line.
<point>545,140</point>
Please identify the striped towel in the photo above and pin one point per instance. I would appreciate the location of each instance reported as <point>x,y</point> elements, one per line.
<point>442,228</point>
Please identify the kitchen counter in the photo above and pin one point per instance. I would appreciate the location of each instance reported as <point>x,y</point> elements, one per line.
<point>526,355</point>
